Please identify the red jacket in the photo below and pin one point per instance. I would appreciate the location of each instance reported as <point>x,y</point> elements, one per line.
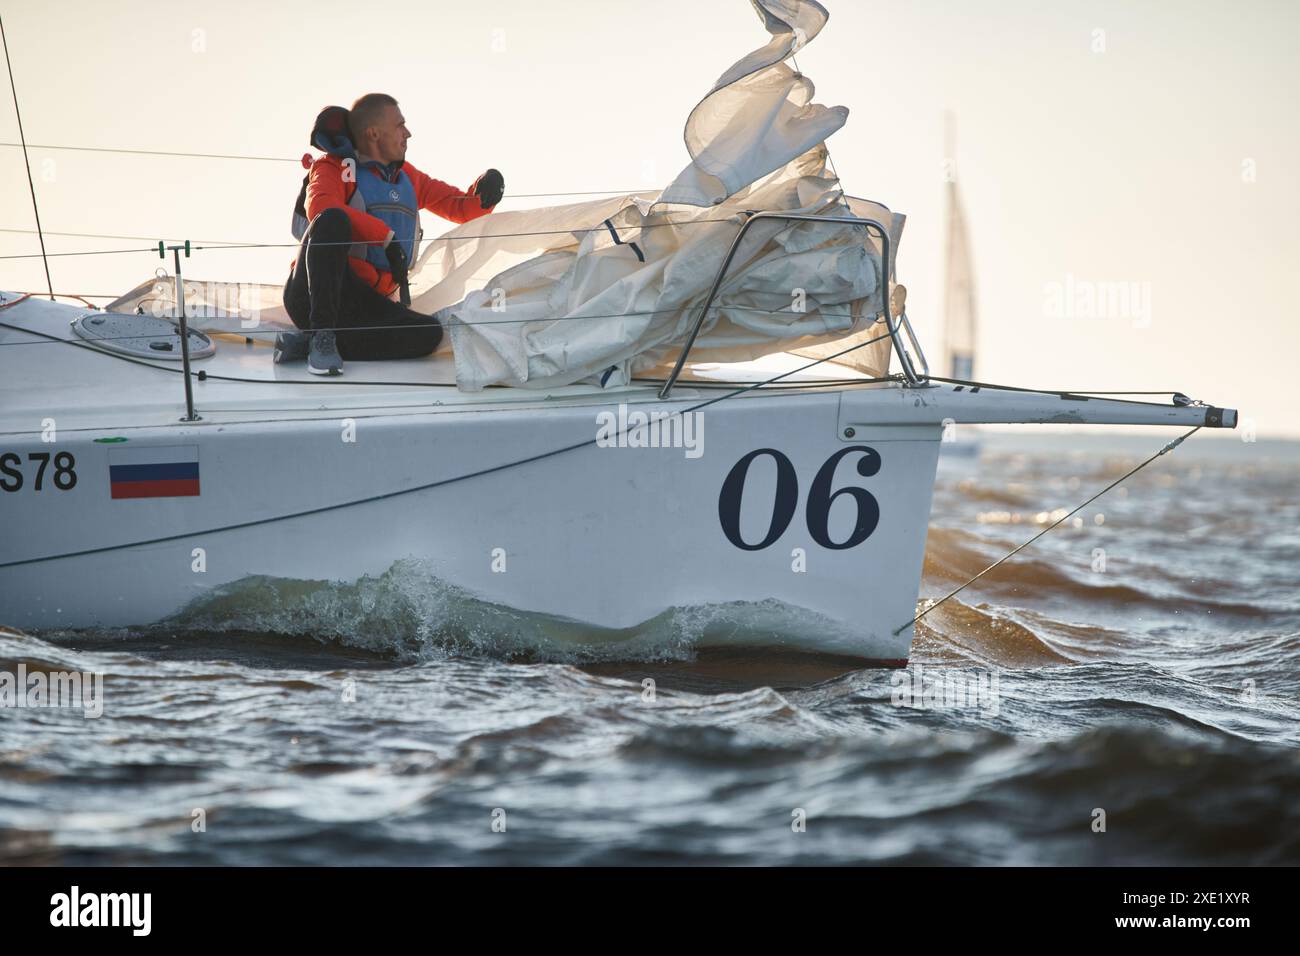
<point>326,189</point>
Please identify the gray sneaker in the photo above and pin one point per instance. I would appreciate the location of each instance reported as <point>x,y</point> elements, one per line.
<point>291,347</point>
<point>324,358</point>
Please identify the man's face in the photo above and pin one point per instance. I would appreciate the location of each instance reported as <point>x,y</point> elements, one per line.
<point>390,147</point>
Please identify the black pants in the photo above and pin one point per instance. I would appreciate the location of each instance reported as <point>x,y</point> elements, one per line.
<point>324,293</point>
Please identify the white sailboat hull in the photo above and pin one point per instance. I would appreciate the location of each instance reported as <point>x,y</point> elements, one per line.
<point>606,537</point>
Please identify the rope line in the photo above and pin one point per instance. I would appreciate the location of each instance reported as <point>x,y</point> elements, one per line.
<point>249,333</point>
<point>26,163</point>
<point>1102,395</point>
<point>221,244</point>
<point>298,162</point>
<point>203,375</point>
<point>825,143</point>
<point>1168,447</point>
<point>109,235</point>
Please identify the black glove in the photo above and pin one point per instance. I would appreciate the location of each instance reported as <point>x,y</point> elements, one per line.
<point>396,261</point>
<point>489,188</point>
<point>397,266</point>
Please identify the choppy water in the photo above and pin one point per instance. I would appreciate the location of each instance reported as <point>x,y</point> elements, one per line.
<point>1163,690</point>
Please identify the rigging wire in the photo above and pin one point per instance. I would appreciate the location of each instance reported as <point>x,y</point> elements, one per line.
<point>294,245</point>
<point>204,375</point>
<point>1101,394</point>
<point>26,162</point>
<point>103,235</point>
<point>825,143</point>
<point>249,333</point>
<point>281,159</point>
<point>1167,448</point>
<point>158,152</point>
<point>45,339</point>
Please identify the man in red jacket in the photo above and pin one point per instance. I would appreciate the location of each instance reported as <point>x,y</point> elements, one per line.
<point>364,228</point>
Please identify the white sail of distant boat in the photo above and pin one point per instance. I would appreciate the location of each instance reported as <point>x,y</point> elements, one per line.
<point>959,311</point>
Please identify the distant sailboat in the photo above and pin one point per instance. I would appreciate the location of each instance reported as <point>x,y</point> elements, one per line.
<point>959,313</point>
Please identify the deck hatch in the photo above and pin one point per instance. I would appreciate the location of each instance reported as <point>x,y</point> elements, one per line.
<point>145,336</point>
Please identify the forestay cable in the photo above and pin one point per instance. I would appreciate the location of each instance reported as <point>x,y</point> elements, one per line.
<point>1169,447</point>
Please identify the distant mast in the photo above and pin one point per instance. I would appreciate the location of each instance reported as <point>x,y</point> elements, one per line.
<point>959,279</point>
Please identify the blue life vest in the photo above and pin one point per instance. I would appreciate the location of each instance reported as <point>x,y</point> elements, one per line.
<point>393,201</point>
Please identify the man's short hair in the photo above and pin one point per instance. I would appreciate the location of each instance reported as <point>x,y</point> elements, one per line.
<point>366,112</point>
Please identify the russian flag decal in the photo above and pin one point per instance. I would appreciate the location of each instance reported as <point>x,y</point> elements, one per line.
<point>166,471</point>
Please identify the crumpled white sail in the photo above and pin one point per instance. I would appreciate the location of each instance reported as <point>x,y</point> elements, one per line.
<point>608,289</point>
<point>759,115</point>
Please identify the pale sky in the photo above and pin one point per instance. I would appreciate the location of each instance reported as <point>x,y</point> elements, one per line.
<point>1153,144</point>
